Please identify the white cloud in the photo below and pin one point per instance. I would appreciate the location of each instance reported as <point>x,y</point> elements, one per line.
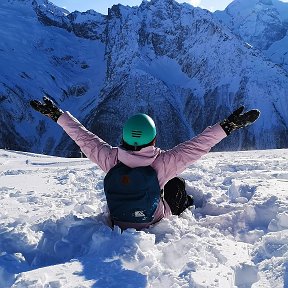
<point>194,2</point>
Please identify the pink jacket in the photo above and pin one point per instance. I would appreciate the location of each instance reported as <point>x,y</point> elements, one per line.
<point>167,164</point>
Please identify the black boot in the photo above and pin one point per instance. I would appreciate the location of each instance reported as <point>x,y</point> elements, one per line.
<point>176,196</point>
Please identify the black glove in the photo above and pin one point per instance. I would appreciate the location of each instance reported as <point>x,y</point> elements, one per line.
<point>48,108</point>
<point>238,120</point>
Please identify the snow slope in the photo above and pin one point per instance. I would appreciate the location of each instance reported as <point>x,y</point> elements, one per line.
<point>34,60</point>
<point>261,23</point>
<point>53,231</point>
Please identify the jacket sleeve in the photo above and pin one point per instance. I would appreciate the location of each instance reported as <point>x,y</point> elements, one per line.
<point>172,162</point>
<point>97,150</point>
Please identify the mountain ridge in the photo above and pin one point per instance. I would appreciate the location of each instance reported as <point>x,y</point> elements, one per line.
<point>180,65</point>
<point>262,23</point>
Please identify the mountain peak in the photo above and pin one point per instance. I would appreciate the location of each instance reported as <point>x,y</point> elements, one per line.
<point>261,23</point>
<point>181,66</point>
<point>266,2</point>
<point>162,2</point>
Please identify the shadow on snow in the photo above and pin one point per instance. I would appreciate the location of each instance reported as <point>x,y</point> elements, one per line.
<point>90,241</point>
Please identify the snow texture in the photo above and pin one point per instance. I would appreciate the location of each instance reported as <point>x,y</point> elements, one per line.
<point>53,230</point>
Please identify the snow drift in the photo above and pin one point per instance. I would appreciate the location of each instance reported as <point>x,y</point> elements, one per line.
<point>53,231</point>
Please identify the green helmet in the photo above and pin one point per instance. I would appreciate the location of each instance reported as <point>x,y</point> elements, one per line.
<point>139,130</point>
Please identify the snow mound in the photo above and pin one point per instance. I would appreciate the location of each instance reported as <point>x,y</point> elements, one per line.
<point>54,233</point>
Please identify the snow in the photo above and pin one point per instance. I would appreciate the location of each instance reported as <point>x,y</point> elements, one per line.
<point>37,59</point>
<point>53,230</point>
<point>262,24</point>
<point>278,51</point>
<point>168,71</point>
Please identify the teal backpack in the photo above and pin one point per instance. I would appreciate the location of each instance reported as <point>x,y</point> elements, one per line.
<point>132,194</point>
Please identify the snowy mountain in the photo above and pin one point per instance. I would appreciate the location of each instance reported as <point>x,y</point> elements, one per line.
<point>262,23</point>
<point>53,232</point>
<point>173,61</point>
<point>37,58</point>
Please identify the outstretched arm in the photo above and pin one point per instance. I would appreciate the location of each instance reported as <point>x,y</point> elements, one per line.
<point>97,150</point>
<point>174,161</point>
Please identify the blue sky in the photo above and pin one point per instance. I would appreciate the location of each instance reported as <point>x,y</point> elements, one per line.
<point>102,6</point>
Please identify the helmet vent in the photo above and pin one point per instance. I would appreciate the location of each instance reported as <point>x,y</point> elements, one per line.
<point>136,133</point>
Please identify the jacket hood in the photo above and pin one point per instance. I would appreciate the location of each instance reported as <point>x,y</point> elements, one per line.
<point>144,157</point>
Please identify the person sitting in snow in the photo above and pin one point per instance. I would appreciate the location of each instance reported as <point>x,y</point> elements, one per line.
<point>142,184</point>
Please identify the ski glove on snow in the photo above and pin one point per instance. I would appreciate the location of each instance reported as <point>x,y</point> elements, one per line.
<point>239,120</point>
<point>48,108</point>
